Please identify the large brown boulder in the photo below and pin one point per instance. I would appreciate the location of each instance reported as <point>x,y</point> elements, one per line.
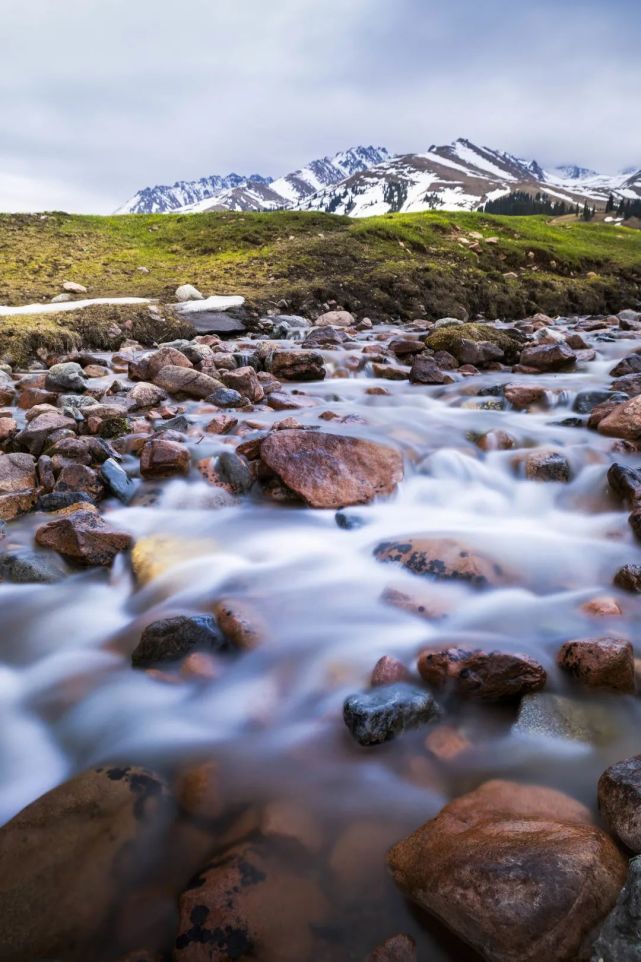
<point>70,857</point>
<point>244,905</point>
<point>186,381</point>
<point>83,537</point>
<point>606,663</point>
<point>500,676</point>
<point>330,470</point>
<point>161,458</point>
<point>548,357</point>
<point>441,558</point>
<point>34,435</point>
<point>297,365</point>
<point>516,871</point>
<point>17,484</point>
<point>624,421</point>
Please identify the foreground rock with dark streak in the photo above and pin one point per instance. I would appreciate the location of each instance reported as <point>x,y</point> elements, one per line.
<point>516,871</point>
<point>69,858</point>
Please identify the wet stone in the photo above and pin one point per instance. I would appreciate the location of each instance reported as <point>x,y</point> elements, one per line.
<point>619,939</point>
<point>606,663</point>
<point>620,801</point>
<point>118,481</point>
<point>170,639</point>
<point>586,400</point>
<point>498,676</point>
<point>31,567</point>
<point>376,716</point>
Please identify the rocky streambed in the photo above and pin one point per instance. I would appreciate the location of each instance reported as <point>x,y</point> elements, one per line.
<point>320,644</point>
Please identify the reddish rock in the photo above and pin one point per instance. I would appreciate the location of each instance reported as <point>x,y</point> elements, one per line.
<point>245,381</point>
<point>603,607</point>
<point>548,357</point>
<point>522,396</point>
<point>79,477</point>
<point>183,380</point>
<point>404,346</point>
<point>388,670</point>
<point>547,465</point>
<point>496,440</point>
<point>516,871</point>
<point>67,862</point>
<point>160,458</point>
<point>8,428</point>
<point>400,948</point>
<point>446,742</point>
<point>281,401</point>
<point>620,801</point>
<point>437,666</point>
<point>331,470</point>
<point>30,396</point>
<point>243,905</point>
<point>239,622</point>
<point>623,421</point>
<point>146,395</point>
<point>499,676</point>
<point>34,435</point>
<point>599,662</point>
<point>83,537</point>
<point>17,484</point>
<point>221,424</point>
<point>165,357</point>
<point>297,365</point>
<point>441,558</point>
<point>426,371</point>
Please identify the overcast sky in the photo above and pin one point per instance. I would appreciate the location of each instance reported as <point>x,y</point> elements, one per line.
<point>101,97</point>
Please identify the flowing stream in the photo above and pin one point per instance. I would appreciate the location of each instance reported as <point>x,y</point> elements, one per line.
<point>272,720</point>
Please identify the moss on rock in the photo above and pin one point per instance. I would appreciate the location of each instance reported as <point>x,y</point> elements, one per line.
<point>449,339</point>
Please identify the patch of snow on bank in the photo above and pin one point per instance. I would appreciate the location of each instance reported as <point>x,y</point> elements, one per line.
<point>215,303</point>
<point>7,311</point>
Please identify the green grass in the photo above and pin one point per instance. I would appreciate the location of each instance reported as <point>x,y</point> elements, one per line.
<point>399,265</point>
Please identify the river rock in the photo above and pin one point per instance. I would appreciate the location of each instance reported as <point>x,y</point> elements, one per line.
<point>31,568</point>
<point>297,365</point>
<point>516,871</point>
<point>245,381</point>
<point>625,483</point>
<point>170,639</point>
<point>236,472</point>
<point>118,481</point>
<point>65,377</point>
<point>585,401</point>
<point>183,380</point>
<point>546,465</point>
<point>83,537</point>
<point>389,671</point>
<point>80,477</point>
<point>442,558</point>
<point>336,319</point>
<point>628,578</point>
<point>620,801</point>
<point>331,470</point>
<point>548,357</point>
<point>34,435</point>
<point>400,948</point>
<point>523,396</point>
<point>381,714</point>
<point>17,485</point>
<point>70,858</point>
<point>239,622</point>
<point>624,421</point>
<point>246,905</point>
<point>146,395</point>
<point>627,365</point>
<point>478,353</point>
<point>499,676</point>
<point>619,939</point>
<point>72,287</point>
<point>161,458</point>
<point>438,666</point>
<point>425,370</point>
<point>606,663</point>
<point>547,715</point>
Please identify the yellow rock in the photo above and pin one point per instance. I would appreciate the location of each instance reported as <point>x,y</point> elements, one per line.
<point>153,556</point>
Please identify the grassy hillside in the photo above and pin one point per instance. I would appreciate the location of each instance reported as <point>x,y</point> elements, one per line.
<point>398,265</point>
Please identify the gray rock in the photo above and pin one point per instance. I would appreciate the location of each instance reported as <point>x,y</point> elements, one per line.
<point>376,716</point>
<point>32,567</point>
<point>61,499</point>
<point>447,322</point>
<point>180,423</point>
<point>226,397</point>
<point>65,377</point>
<point>61,298</point>
<point>619,939</point>
<point>235,471</point>
<point>216,322</point>
<point>73,288</point>
<point>586,400</point>
<point>629,315</point>
<point>547,715</point>
<point>172,638</point>
<point>118,481</point>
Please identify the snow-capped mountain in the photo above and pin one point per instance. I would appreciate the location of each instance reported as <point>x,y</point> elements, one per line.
<point>163,198</point>
<point>234,192</point>
<point>463,176</point>
<point>364,181</point>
